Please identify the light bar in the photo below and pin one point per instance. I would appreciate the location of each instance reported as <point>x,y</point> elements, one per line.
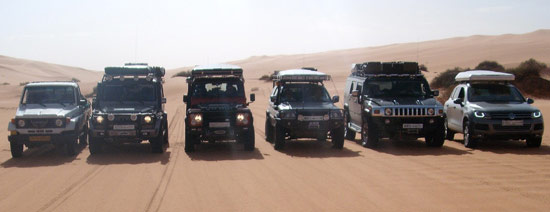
<point>217,70</point>
<point>301,75</point>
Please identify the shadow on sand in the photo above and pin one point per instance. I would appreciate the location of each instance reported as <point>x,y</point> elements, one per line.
<point>413,148</point>
<point>509,147</point>
<point>315,149</point>
<point>128,154</point>
<point>223,151</point>
<point>46,155</point>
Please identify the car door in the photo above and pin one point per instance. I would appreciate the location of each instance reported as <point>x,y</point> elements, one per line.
<point>355,105</point>
<point>456,109</point>
<point>272,108</point>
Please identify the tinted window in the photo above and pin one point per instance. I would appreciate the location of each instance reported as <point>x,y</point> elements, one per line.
<point>494,92</point>
<point>218,89</point>
<point>397,87</point>
<point>304,93</point>
<point>129,92</point>
<point>51,94</point>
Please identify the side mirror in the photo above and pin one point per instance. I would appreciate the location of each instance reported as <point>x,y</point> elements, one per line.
<point>530,101</point>
<point>163,101</point>
<point>252,97</point>
<point>335,99</point>
<point>435,92</point>
<point>82,102</point>
<point>458,101</point>
<point>185,98</point>
<point>94,103</point>
<point>273,98</point>
<point>355,93</point>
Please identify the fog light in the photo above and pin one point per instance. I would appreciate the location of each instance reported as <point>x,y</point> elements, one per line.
<point>58,122</point>
<point>432,121</point>
<point>147,119</point>
<point>326,117</point>
<point>133,117</point>
<point>21,123</point>
<point>387,121</point>
<point>99,119</point>
<point>110,117</point>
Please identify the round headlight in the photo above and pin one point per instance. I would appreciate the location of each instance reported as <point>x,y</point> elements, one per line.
<point>431,111</point>
<point>21,123</point>
<point>99,119</point>
<point>537,114</point>
<point>388,111</point>
<point>147,119</point>
<point>58,122</point>
<point>195,119</point>
<point>242,119</point>
<point>133,117</point>
<point>110,117</point>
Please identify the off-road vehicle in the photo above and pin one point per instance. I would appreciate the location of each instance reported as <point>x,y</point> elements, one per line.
<point>50,113</point>
<point>300,107</point>
<point>216,107</point>
<point>129,108</point>
<point>391,100</point>
<point>486,105</point>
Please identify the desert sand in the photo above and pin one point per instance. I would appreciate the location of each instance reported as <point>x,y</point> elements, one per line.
<point>307,175</point>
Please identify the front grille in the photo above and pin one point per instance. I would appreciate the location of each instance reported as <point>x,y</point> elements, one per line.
<point>499,127</point>
<point>218,117</point>
<point>40,123</point>
<point>122,118</point>
<point>405,111</point>
<point>312,113</point>
<point>510,115</point>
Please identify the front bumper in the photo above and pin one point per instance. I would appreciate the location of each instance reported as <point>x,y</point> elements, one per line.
<point>218,133</point>
<point>309,129</point>
<point>409,126</point>
<point>38,139</point>
<point>497,128</point>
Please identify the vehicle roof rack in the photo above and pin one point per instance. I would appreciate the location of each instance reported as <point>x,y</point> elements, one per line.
<point>217,70</point>
<point>301,75</point>
<point>483,75</point>
<point>135,69</point>
<point>380,69</point>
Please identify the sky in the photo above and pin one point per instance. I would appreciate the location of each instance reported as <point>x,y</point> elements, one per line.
<point>173,34</point>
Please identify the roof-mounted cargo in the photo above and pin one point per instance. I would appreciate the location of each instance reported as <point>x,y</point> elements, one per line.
<point>385,68</point>
<point>301,75</point>
<point>483,75</point>
<point>135,69</point>
<point>217,70</point>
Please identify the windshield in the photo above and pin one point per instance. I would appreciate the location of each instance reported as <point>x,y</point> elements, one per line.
<point>304,93</point>
<point>397,87</point>
<point>494,92</point>
<point>49,95</point>
<point>129,92</point>
<point>217,89</point>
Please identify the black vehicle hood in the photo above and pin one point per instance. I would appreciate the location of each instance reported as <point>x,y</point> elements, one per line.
<point>403,101</point>
<point>307,106</point>
<point>128,109</point>
<point>220,107</point>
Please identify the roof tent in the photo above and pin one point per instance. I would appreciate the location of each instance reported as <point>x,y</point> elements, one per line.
<point>301,75</point>
<point>483,75</point>
<point>386,68</point>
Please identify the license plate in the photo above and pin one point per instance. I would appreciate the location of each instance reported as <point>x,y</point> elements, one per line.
<point>512,122</point>
<point>313,125</point>
<point>413,126</point>
<point>39,138</point>
<point>313,118</point>
<point>123,127</point>
<point>122,133</point>
<point>219,124</point>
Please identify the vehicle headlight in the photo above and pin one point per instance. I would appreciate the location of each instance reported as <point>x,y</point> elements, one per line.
<point>537,114</point>
<point>21,123</point>
<point>147,119</point>
<point>99,119</point>
<point>133,117</point>
<point>431,111</point>
<point>58,122</point>
<point>288,115</point>
<point>195,119</point>
<point>336,114</point>
<point>479,114</point>
<point>110,117</point>
<point>388,111</point>
<point>243,119</point>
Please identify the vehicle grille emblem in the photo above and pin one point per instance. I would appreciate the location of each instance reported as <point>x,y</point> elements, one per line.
<point>512,116</point>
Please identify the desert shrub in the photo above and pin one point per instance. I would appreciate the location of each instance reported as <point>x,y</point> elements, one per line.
<point>93,93</point>
<point>423,67</point>
<point>75,80</point>
<point>6,83</point>
<point>23,83</point>
<point>529,80</point>
<point>186,73</point>
<point>446,79</point>
<point>269,77</point>
<point>490,65</point>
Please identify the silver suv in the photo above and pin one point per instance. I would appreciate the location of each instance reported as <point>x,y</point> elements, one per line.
<point>50,113</point>
<point>485,105</point>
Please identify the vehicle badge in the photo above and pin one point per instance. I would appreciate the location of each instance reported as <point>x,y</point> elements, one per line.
<point>512,116</point>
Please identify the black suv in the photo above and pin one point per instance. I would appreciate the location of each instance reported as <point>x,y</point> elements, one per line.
<point>392,100</point>
<point>300,107</point>
<point>216,107</point>
<point>129,108</point>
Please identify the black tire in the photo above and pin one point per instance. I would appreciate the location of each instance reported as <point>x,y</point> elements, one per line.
<point>348,133</point>
<point>268,130</point>
<point>70,147</point>
<point>279,137</point>
<point>369,135</point>
<point>534,142</point>
<point>157,144</point>
<point>16,149</point>
<point>449,134</point>
<point>436,139</point>
<point>249,140</point>
<point>190,142</point>
<point>469,140</point>
<point>95,145</point>
<point>165,138</point>
<point>337,136</point>
<point>83,139</point>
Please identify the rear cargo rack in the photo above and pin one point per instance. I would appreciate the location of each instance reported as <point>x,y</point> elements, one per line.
<point>386,69</point>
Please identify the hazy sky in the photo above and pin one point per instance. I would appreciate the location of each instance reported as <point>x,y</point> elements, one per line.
<point>94,34</point>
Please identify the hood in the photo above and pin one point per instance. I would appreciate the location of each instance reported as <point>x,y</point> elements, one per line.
<point>46,111</point>
<point>405,101</point>
<point>308,106</point>
<point>501,107</point>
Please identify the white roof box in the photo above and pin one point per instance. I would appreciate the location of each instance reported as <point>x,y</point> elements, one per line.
<point>301,75</point>
<point>482,75</point>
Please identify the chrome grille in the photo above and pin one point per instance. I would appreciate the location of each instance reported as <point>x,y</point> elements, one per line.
<point>406,111</point>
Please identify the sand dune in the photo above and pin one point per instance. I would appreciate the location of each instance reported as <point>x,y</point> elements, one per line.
<point>307,175</point>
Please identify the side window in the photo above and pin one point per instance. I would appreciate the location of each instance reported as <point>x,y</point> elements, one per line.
<point>351,87</point>
<point>275,90</point>
<point>461,94</point>
<point>359,87</point>
<point>454,93</point>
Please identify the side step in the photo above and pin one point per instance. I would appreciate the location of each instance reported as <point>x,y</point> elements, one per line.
<point>354,127</point>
